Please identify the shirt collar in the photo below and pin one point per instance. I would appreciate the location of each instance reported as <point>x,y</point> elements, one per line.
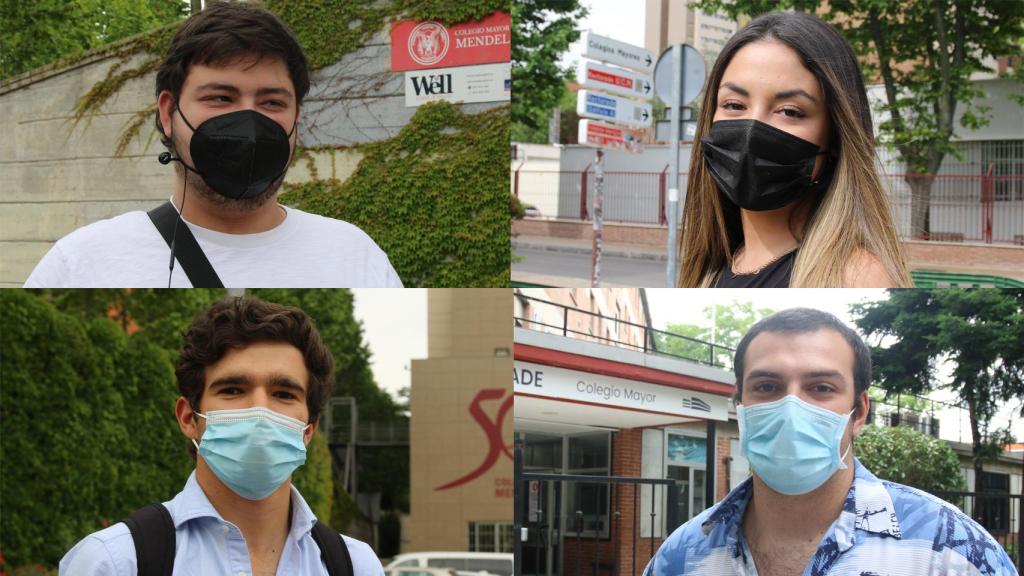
<point>192,503</point>
<point>868,507</point>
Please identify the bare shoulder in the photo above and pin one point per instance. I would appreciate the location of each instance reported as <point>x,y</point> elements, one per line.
<point>865,270</point>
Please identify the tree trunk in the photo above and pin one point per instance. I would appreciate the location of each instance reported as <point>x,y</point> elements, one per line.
<point>920,202</point>
<point>975,447</point>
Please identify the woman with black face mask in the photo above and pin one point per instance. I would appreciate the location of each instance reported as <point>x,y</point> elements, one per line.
<point>782,186</point>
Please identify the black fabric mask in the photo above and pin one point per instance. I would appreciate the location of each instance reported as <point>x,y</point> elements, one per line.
<point>239,154</point>
<point>757,166</point>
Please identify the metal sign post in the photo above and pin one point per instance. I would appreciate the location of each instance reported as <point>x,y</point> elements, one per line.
<point>673,187</point>
<point>678,78</point>
<point>595,273</point>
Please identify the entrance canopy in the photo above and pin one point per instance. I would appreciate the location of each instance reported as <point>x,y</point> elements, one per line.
<point>564,384</point>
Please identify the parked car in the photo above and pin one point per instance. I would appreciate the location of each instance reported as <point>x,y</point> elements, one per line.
<point>463,563</point>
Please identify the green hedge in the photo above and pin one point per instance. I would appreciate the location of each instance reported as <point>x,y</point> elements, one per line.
<point>904,455</point>
<point>434,197</point>
<point>88,432</point>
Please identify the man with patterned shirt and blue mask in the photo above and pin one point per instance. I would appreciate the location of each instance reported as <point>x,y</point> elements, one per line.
<point>810,507</point>
<point>254,378</point>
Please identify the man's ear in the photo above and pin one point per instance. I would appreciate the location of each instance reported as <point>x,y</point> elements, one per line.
<point>307,437</point>
<point>188,422</point>
<point>861,415</point>
<point>165,106</point>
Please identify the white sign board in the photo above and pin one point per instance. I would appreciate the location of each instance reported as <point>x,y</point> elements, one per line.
<point>572,385</point>
<point>612,51</point>
<point>615,80</point>
<point>590,104</point>
<point>594,133</point>
<point>483,83</point>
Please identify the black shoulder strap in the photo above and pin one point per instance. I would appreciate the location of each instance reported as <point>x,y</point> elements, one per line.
<point>186,250</point>
<point>333,550</point>
<point>153,533</point>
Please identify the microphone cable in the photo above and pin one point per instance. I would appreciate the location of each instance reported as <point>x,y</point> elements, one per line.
<point>166,158</point>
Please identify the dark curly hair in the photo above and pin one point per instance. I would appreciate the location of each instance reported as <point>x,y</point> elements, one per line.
<point>223,32</point>
<point>237,322</point>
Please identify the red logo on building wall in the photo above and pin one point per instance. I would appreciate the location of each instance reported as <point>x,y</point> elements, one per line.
<point>492,429</point>
<point>428,43</point>
<point>422,45</point>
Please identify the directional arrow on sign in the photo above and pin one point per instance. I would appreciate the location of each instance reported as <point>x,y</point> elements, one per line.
<point>590,104</point>
<point>614,80</point>
<point>615,52</point>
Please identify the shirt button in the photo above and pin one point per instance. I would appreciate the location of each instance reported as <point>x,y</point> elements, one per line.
<point>226,529</point>
<point>241,574</point>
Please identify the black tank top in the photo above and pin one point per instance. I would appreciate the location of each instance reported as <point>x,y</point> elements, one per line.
<point>774,275</point>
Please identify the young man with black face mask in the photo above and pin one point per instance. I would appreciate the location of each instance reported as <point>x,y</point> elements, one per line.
<point>254,378</point>
<point>229,95</point>
<point>810,506</point>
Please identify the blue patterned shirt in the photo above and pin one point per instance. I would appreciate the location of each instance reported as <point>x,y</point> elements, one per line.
<point>885,529</point>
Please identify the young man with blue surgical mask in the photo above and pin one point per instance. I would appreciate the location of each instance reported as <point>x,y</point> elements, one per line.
<point>254,378</point>
<point>810,507</point>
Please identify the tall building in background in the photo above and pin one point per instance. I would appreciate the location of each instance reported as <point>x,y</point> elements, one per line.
<point>461,425</point>
<point>670,22</point>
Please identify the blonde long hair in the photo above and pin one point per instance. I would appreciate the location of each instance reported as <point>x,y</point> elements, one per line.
<point>849,215</point>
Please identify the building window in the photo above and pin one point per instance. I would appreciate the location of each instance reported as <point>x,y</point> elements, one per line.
<point>1006,157</point>
<point>490,537</point>
<point>686,462</point>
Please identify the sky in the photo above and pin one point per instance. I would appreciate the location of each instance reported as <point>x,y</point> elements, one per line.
<point>685,306</point>
<point>395,328</point>
<point>618,19</point>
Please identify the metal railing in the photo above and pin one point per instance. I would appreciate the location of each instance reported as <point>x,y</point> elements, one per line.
<point>985,208</point>
<point>646,339</point>
<point>545,526</point>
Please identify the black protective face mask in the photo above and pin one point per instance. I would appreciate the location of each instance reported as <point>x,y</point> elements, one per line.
<point>239,154</point>
<point>757,166</point>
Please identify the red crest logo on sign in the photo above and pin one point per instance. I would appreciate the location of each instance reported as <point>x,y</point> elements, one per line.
<point>428,43</point>
<point>492,429</point>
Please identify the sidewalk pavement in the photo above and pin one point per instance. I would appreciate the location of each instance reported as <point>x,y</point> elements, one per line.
<point>585,246</point>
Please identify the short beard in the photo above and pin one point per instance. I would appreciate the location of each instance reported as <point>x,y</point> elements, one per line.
<point>195,183</point>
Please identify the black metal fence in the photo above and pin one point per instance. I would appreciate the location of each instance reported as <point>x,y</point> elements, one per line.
<point>999,513</point>
<point>569,517</point>
<point>575,322</point>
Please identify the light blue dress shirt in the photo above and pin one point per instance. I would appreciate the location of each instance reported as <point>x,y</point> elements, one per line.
<point>208,545</point>
<point>885,529</point>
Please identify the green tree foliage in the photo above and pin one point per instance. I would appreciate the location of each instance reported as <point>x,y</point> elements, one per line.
<point>88,433</point>
<point>979,333</point>
<point>924,53</point>
<point>314,479</point>
<point>542,31</point>
<point>726,324</point>
<point>434,197</point>
<point>904,455</point>
<point>37,33</point>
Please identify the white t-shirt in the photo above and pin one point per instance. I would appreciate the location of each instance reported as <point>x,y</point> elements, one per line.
<point>304,251</point>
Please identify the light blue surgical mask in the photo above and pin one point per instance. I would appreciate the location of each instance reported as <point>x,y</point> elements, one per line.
<point>252,450</point>
<point>793,446</point>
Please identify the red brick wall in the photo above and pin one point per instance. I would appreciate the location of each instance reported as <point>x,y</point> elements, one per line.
<point>647,235</point>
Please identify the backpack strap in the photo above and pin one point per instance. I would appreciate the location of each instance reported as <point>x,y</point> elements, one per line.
<point>153,533</point>
<point>333,550</point>
<point>186,249</point>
